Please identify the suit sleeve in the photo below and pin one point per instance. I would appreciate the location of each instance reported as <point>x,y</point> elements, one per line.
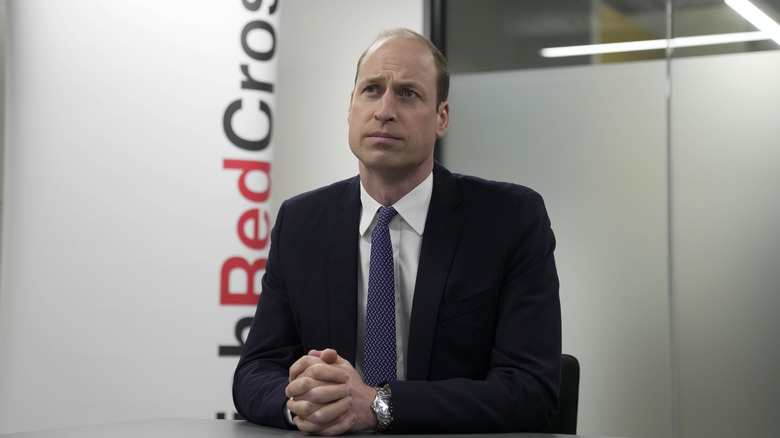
<point>271,348</point>
<point>519,389</point>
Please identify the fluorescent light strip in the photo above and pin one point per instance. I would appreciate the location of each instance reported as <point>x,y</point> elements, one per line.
<point>633,46</point>
<point>756,17</point>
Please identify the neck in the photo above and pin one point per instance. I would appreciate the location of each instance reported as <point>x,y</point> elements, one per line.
<point>389,187</point>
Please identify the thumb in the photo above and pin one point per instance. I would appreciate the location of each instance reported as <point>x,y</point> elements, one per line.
<point>330,356</point>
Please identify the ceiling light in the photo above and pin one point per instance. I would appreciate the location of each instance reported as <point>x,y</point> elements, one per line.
<point>756,17</point>
<point>634,46</point>
<point>768,29</point>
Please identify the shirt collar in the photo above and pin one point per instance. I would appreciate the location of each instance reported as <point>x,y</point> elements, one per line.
<point>413,207</point>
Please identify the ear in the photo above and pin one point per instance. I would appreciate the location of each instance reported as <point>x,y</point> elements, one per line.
<point>349,110</point>
<point>444,119</point>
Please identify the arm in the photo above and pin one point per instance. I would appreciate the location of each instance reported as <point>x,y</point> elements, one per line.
<point>307,299</point>
<point>271,347</point>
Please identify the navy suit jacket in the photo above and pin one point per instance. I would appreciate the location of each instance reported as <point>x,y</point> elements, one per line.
<point>485,331</point>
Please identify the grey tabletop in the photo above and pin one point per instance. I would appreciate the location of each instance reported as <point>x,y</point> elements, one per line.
<point>194,428</point>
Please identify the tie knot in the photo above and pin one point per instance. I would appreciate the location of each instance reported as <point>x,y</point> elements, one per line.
<point>386,214</point>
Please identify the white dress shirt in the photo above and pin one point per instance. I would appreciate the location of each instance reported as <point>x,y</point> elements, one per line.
<point>406,232</point>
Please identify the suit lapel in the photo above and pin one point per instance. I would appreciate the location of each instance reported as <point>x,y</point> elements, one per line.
<point>342,262</point>
<point>442,230</point>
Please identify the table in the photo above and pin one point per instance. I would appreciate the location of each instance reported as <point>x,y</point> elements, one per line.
<point>202,428</point>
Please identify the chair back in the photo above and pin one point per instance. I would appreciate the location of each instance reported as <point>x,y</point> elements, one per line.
<point>565,420</point>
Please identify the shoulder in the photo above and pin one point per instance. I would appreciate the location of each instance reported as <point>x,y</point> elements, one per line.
<point>475,186</point>
<point>487,206</point>
<point>501,203</point>
<point>341,192</point>
<point>476,193</point>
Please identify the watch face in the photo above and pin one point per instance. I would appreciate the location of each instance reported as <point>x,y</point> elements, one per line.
<point>382,408</point>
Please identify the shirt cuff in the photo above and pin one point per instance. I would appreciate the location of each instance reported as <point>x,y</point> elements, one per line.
<point>288,415</point>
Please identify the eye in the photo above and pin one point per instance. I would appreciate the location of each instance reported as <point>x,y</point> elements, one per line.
<point>371,89</point>
<point>408,93</point>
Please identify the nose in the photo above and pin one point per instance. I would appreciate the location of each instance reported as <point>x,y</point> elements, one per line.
<point>385,110</point>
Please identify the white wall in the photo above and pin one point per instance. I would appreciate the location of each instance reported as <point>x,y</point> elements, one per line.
<point>318,48</point>
<point>118,213</point>
<point>125,123</point>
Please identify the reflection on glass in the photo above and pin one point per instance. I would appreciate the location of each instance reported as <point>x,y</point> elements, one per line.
<point>491,35</point>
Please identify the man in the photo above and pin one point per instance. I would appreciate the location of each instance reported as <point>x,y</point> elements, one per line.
<point>476,330</point>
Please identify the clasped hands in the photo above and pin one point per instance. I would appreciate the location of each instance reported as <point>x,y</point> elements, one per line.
<point>327,396</point>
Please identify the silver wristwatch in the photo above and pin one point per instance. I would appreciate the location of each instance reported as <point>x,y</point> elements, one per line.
<point>383,408</point>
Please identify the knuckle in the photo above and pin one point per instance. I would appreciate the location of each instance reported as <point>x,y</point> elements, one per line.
<point>315,417</point>
<point>306,383</point>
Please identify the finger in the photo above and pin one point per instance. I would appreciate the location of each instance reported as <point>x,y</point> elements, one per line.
<point>307,388</point>
<point>330,356</point>
<point>300,386</point>
<point>326,394</point>
<point>325,373</point>
<point>302,408</point>
<point>330,419</point>
<point>301,365</point>
<point>337,428</point>
<point>321,413</point>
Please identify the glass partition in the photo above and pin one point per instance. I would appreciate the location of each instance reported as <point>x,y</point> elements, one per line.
<point>725,203</point>
<point>649,127</point>
<point>497,35</point>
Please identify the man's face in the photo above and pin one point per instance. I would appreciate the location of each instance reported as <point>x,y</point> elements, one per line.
<point>393,117</point>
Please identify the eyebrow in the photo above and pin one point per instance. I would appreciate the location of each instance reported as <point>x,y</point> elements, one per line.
<point>416,85</point>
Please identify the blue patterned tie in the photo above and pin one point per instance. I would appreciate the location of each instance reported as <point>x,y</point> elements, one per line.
<point>380,357</point>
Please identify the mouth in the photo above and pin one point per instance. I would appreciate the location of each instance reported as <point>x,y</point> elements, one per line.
<point>382,136</point>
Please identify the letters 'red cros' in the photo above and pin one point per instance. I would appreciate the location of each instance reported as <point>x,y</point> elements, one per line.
<point>254,225</point>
